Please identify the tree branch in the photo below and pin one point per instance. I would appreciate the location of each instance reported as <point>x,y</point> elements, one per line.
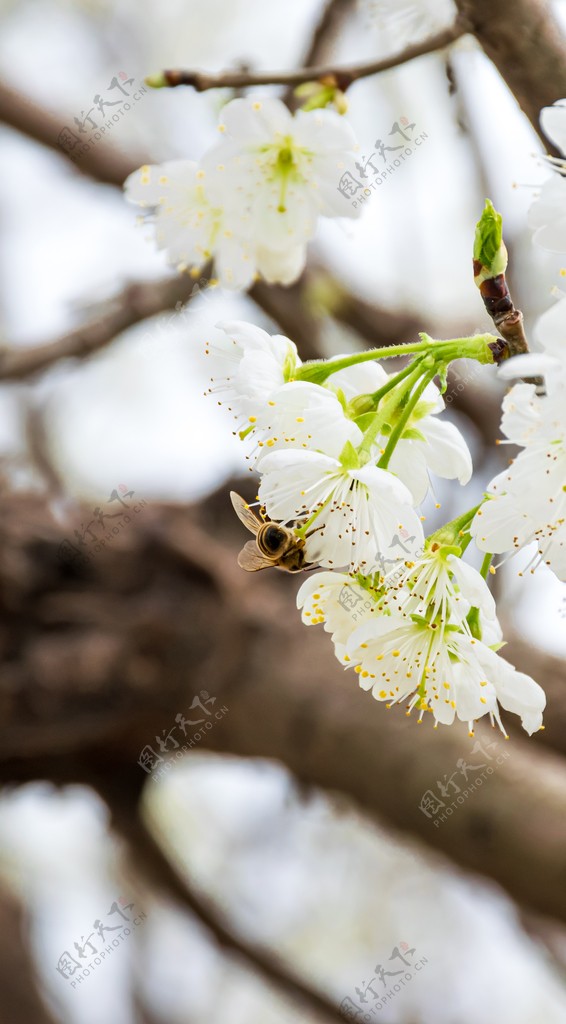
<point>342,77</point>
<point>103,162</point>
<point>134,304</point>
<point>525,42</point>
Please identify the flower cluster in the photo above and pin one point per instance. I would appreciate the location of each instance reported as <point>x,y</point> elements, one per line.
<point>429,637</point>
<point>253,202</point>
<point>527,501</point>
<point>345,451</point>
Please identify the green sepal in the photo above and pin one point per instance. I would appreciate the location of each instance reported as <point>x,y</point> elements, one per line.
<point>289,366</point>
<point>473,620</point>
<point>412,434</point>
<point>349,457</point>
<point>365,421</point>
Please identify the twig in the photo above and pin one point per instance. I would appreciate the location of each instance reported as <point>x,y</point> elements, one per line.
<point>330,22</point>
<point>288,306</point>
<point>341,77</point>
<point>137,302</point>
<point>508,320</point>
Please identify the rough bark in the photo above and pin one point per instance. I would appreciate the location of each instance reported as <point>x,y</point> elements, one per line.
<point>527,46</point>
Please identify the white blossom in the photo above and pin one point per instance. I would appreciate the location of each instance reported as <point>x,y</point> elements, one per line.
<point>361,515</point>
<point>302,415</point>
<point>430,445</point>
<point>283,171</point>
<point>408,20</point>
<point>528,499</point>
<point>445,672</point>
<point>338,602</point>
<point>190,221</point>
<point>246,365</point>
<point>443,587</point>
<point>547,214</point>
<point>252,372</point>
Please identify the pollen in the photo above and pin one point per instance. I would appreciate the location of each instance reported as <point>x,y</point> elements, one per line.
<point>253,419</point>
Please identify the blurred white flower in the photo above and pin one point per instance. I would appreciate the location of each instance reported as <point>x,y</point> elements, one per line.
<point>547,215</point>
<point>253,203</point>
<point>283,170</point>
<point>190,222</point>
<point>359,513</point>
<point>406,21</point>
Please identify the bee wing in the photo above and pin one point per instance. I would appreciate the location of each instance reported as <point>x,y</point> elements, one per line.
<point>251,559</point>
<point>244,513</point>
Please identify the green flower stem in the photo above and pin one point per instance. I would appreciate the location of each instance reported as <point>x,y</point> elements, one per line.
<point>473,620</point>
<point>394,381</point>
<point>486,564</point>
<point>477,347</point>
<point>397,432</point>
<point>414,371</point>
<point>362,404</point>
<point>473,616</point>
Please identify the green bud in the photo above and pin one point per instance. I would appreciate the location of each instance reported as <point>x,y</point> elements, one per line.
<point>157,81</point>
<point>360,405</point>
<point>490,254</point>
<point>321,94</point>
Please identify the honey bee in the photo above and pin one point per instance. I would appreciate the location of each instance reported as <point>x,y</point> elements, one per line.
<point>274,545</point>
